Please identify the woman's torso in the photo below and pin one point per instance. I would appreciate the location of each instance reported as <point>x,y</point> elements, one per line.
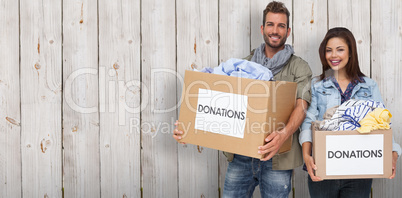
<point>329,96</point>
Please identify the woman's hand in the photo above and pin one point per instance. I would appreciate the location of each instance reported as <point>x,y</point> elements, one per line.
<point>394,160</point>
<point>177,134</point>
<point>309,160</point>
<point>311,167</point>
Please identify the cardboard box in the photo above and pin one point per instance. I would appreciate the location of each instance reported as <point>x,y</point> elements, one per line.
<point>234,114</point>
<point>352,155</point>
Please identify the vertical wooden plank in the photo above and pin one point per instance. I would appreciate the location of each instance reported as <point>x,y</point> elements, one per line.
<point>310,27</point>
<point>10,140</point>
<point>234,29</point>
<point>158,56</point>
<point>353,15</point>
<point>257,8</point>
<point>234,42</point>
<point>386,53</point>
<point>41,98</point>
<point>197,46</point>
<point>119,87</point>
<point>80,103</point>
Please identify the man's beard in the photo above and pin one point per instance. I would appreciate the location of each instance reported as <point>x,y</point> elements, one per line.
<point>279,45</point>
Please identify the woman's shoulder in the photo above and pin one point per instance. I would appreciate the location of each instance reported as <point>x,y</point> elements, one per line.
<point>369,82</point>
<point>319,85</point>
<point>317,82</point>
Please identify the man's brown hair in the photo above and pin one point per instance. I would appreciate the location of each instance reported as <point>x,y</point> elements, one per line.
<point>276,7</point>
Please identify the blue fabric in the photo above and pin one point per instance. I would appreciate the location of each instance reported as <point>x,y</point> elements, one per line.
<point>241,68</point>
<point>207,70</point>
<point>345,188</point>
<point>345,96</point>
<point>245,173</point>
<point>325,95</point>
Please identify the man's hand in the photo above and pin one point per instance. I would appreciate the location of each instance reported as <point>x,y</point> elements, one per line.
<point>394,160</point>
<point>177,133</point>
<point>273,143</point>
<point>275,140</point>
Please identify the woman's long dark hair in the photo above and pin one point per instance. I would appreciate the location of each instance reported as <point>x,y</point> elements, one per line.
<point>352,67</point>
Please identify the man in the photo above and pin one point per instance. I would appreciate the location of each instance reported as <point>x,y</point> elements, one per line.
<point>272,173</point>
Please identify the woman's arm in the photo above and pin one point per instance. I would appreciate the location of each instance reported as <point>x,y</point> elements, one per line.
<point>311,115</point>
<point>309,160</point>
<point>305,137</point>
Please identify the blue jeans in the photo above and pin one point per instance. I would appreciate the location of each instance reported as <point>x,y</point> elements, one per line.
<point>245,173</point>
<point>345,188</point>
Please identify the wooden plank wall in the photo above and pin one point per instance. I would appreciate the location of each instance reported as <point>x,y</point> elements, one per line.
<point>10,105</point>
<point>197,46</point>
<point>119,96</point>
<point>158,63</point>
<point>90,89</point>
<point>41,91</point>
<point>309,27</point>
<point>386,70</point>
<point>81,160</point>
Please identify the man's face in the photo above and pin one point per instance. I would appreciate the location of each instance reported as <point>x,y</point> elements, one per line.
<point>275,30</point>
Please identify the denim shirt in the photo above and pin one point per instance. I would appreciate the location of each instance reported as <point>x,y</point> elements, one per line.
<point>325,95</point>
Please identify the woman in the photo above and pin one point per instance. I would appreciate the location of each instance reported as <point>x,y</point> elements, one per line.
<point>340,81</point>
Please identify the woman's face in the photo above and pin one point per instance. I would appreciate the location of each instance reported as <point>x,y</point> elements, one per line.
<point>337,53</point>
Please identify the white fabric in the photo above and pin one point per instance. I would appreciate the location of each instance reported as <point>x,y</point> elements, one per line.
<point>349,114</point>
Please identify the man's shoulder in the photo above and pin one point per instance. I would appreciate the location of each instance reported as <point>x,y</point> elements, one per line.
<point>250,56</point>
<point>296,60</point>
<point>297,65</point>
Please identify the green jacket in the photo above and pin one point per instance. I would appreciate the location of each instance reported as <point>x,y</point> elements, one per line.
<point>296,70</point>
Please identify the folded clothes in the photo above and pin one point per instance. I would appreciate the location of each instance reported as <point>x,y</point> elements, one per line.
<point>378,119</point>
<point>207,70</point>
<point>348,115</point>
<point>241,68</point>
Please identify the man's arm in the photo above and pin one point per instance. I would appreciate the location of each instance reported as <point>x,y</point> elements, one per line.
<point>275,140</point>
